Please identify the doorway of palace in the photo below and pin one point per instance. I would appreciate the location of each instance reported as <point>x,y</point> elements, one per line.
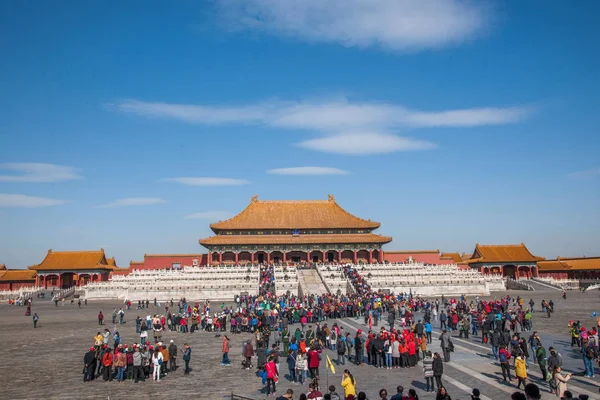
<point>261,258</point>
<point>330,256</point>
<point>315,259</point>
<point>67,280</point>
<point>296,259</point>
<point>510,271</point>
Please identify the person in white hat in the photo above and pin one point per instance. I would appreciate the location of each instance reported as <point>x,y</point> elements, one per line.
<point>172,356</point>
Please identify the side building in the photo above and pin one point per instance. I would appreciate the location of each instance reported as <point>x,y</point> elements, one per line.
<point>509,260</point>
<point>64,269</point>
<point>295,230</point>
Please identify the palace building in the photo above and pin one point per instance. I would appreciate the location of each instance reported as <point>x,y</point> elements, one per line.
<point>64,269</point>
<point>297,231</point>
<point>512,260</point>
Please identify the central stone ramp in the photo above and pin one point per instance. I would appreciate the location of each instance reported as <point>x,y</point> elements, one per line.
<point>310,280</point>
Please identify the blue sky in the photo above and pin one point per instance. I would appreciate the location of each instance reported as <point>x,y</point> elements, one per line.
<point>133,126</point>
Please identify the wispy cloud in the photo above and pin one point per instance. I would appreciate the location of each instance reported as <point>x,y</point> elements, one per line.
<point>38,172</point>
<point>134,201</point>
<point>587,174</point>
<point>365,144</point>
<point>204,181</point>
<point>210,215</point>
<point>307,171</point>
<point>330,116</point>
<point>391,24</point>
<point>25,201</point>
<point>337,120</point>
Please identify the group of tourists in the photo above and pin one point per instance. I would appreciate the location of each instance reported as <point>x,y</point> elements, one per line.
<point>136,362</point>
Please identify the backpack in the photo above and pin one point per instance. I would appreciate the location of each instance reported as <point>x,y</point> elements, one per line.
<point>504,357</point>
<point>552,383</point>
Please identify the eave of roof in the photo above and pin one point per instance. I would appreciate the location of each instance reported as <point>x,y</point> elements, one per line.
<point>366,238</point>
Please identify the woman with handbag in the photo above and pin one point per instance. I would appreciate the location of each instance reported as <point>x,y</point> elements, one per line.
<point>271,370</point>
<point>157,360</point>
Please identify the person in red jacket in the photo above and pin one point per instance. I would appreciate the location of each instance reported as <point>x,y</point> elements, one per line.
<point>271,370</point>
<point>313,362</point>
<point>412,352</point>
<point>107,362</point>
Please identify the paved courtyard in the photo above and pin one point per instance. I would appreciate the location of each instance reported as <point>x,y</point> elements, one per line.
<point>46,362</point>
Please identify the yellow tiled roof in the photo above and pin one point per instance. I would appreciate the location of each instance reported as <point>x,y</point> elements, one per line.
<point>294,214</point>
<point>502,253</point>
<point>455,257</point>
<point>570,264</point>
<point>17,275</point>
<point>290,239</point>
<point>73,260</point>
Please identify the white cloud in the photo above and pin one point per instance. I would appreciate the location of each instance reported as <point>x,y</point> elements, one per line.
<point>38,172</point>
<point>190,181</point>
<point>25,201</point>
<point>334,119</point>
<point>307,171</point>
<point>365,143</point>
<point>587,174</point>
<point>134,201</point>
<point>210,215</point>
<point>331,116</point>
<point>391,24</point>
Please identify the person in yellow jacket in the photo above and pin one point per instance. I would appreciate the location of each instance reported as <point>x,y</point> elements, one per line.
<point>521,371</point>
<point>349,384</point>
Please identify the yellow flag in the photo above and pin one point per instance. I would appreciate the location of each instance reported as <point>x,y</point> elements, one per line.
<point>330,365</point>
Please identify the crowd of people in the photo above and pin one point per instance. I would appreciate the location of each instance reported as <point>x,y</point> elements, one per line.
<point>505,324</point>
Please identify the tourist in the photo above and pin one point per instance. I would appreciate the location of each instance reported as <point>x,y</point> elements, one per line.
<point>399,393</point>
<point>532,392</point>
<point>475,394</point>
<point>349,385</point>
<point>89,361</point>
<point>225,350</point>
<point>540,357</point>
<point>362,396</point>
<point>100,318</point>
<point>187,355</point>
<point>589,354</point>
<point>120,363</point>
<point>383,394</point>
<point>107,363</point>
<point>172,356</point>
<point>521,370</point>
<point>428,371</point>
<point>271,370</point>
<point>157,360</point>
<point>301,367</point>
<point>412,394</point>
<point>518,396</point>
<point>560,381</point>
<point>248,353</point>
<point>446,345</point>
<point>291,362</point>
<point>438,369</point>
<point>333,395</point>
<point>287,396</point>
<point>442,394</point>
<point>138,365</point>
<point>554,360</point>
<point>504,358</point>
<point>314,359</point>
<point>35,320</point>
<point>314,393</point>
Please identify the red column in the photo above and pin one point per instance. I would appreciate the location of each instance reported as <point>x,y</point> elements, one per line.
<point>209,258</point>
<point>380,260</point>
<point>370,256</point>
<point>37,280</point>
<point>268,258</point>
<point>339,256</point>
<point>355,258</point>
<point>283,258</point>
<point>236,257</point>
<point>308,256</point>
<point>252,257</point>
<point>220,257</point>
<point>323,256</point>
<point>59,281</point>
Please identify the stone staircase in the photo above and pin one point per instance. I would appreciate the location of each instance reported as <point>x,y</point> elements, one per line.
<point>311,282</point>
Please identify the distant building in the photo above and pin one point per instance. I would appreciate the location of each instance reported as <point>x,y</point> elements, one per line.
<point>570,268</point>
<point>13,279</point>
<point>511,260</point>
<point>64,269</point>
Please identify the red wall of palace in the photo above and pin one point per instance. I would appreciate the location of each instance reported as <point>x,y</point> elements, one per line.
<point>428,258</point>
<point>167,261</point>
<point>15,285</point>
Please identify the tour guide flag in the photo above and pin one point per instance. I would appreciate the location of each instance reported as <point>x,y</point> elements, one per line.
<point>330,365</point>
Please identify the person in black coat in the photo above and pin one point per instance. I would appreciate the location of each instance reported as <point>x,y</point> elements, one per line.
<point>89,368</point>
<point>438,369</point>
